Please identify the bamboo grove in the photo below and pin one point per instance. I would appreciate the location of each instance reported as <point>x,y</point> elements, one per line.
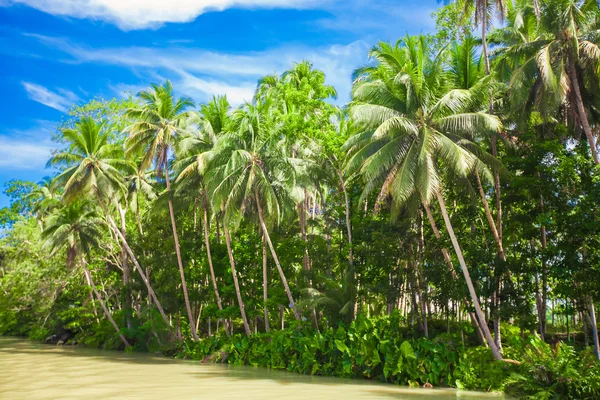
<point>460,184</point>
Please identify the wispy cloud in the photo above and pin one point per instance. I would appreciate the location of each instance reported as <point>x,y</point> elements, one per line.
<point>60,100</point>
<point>26,149</point>
<point>201,73</point>
<point>141,14</point>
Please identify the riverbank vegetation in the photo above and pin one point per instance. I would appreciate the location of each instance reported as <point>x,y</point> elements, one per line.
<point>440,229</point>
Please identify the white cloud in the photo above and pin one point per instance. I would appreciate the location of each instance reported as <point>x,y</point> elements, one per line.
<point>200,73</point>
<point>60,100</point>
<point>27,149</point>
<point>140,14</point>
<point>205,89</point>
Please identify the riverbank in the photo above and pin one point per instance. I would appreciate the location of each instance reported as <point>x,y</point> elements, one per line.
<point>36,371</point>
<point>382,350</point>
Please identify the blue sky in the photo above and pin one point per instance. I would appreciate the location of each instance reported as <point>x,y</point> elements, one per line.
<point>55,53</point>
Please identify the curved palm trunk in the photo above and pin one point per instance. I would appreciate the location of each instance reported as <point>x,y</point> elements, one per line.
<point>209,256</point>
<point>474,298</point>
<point>500,248</point>
<point>138,268</point>
<point>126,269</point>
<point>448,260</point>
<point>88,276</point>
<point>581,110</point>
<point>235,280</point>
<point>276,259</point>
<point>179,262</point>
<point>490,219</point>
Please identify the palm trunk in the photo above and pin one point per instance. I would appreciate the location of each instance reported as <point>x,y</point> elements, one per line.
<point>501,255</point>
<point>490,219</point>
<point>235,279</point>
<point>302,220</point>
<point>106,313</point>
<point>422,285</point>
<point>581,110</point>
<point>348,225</point>
<point>126,269</point>
<point>265,287</point>
<point>139,269</point>
<point>544,299</point>
<point>474,298</point>
<point>137,214</point>
<point>276,259</point>
<point>179,262</point>
<point>349,231</point>
<point>209,256</point>
<point>89,282</point>
<point>592,312</point>
<point>446,255</point>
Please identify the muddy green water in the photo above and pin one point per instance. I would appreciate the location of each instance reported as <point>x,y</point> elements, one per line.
<point>36,371</point>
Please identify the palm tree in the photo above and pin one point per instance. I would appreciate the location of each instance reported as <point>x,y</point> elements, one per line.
<point>251,168</point>
<point>77,226</point>
<point>466,72</point>
<point>90,168</point>
<point>154,133</point>
<point>139,186</point>
<point>551,68</point>
<point>45,198</point>
<point>193,149</point>
<point>412,125</point>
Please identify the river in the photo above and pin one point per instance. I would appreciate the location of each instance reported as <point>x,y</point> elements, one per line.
<point>30,370</point>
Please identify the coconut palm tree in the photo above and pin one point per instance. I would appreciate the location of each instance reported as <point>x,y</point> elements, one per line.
<point>193,151</point>
<point>139,186</point>
<point>158,123</point>
<point>251,170</point>
<point>551,70</point>
<point>412,125</point>
<point>45,198</point>
<point>76,226</point>
<point>91,169</point>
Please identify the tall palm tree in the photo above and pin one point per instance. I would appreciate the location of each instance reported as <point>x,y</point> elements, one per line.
<point>158,123</point>
<point>77,226</point>
<point>192,151</point>
<point>91,168</point>
<point>550,70</point>
<point>251,168</point>
<point>466,72</point>
<point>412,125</point>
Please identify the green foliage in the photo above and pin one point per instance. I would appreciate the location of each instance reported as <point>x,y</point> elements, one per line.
<point>337,206</point>
<point>554,372</point>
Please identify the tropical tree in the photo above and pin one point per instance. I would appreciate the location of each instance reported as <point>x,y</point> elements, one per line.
<point>251,170</point>
<point>91,166</point>
<point>157,124</point>
<point>193,149</point>
<point>77,227</point>
<point>412,125</point>
<point>558,68</point>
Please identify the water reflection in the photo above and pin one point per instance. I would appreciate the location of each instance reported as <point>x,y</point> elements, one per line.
<point>35,371</point>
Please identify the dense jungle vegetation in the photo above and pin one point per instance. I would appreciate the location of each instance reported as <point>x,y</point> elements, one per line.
<point>442,228</point>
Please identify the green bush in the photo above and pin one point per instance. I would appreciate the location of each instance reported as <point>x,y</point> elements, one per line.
<point>555,372</point>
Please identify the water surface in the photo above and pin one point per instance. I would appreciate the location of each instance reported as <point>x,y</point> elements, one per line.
<point>35,371</point>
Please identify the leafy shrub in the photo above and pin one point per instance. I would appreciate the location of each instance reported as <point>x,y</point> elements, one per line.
<point>555,372</point>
